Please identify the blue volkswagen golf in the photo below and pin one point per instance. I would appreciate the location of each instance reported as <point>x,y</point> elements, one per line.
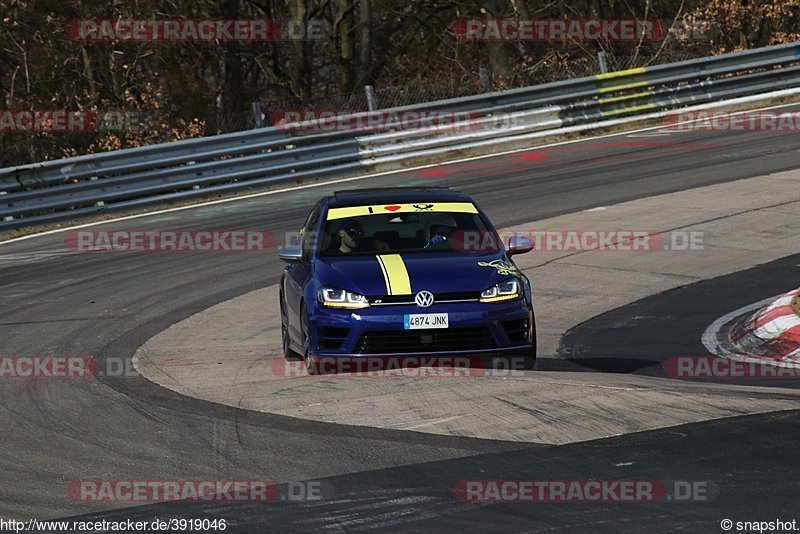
<point>402,272</point>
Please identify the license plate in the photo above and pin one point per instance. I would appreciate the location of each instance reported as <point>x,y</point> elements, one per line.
<point>418,321</point>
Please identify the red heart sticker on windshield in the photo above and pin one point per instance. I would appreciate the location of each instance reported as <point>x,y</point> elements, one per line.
<point>392,208</point>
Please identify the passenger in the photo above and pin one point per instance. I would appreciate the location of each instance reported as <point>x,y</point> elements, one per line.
<point>439,229</point>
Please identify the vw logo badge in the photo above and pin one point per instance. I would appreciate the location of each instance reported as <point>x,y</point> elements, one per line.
<point>424,299</point>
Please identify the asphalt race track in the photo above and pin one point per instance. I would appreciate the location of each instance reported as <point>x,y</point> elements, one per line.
<point>419,498</point>
<point>640,337</point>
<point>107,305</point>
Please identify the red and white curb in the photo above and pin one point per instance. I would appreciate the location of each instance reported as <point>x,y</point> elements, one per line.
<point>771,333</point>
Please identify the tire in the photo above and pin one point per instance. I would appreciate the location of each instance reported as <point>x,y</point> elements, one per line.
<point>288,353</point>
<point>529,360</point>
<point>311,366</point>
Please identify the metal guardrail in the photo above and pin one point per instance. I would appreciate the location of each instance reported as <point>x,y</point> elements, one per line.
<point>124,180</point>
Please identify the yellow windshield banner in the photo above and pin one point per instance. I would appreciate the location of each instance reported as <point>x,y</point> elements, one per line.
<point>394,274</point>
<point>388,209</point>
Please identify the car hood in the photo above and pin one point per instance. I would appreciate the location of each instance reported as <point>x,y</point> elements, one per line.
<point>440,272</point>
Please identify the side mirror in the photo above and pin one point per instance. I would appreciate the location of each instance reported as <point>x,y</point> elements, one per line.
<point>518,244</point>
<point>291,254</point>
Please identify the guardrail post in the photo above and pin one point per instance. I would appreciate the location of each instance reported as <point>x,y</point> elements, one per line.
<point>486,82</point>
<point>601,58</point>
<point>258,115</point>
<point>370,94</point>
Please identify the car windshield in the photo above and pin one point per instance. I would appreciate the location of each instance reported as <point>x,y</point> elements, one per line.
<point>418,231</point>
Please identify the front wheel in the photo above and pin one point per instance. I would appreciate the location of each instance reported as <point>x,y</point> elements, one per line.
<point>312,367</point>
<point>286,346</point>
<point>529,360</point>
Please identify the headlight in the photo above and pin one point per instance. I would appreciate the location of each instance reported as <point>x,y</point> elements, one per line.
<point>507,290</point>
<point>339,298</point>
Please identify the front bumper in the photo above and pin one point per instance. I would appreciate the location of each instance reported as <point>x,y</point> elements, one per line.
<point>378,331</point>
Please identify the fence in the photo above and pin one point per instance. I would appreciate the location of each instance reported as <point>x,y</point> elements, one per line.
<point>125,180</point>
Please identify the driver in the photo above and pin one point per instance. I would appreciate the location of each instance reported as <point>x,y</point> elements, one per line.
<point>439,229</point>
<point>351,239</point>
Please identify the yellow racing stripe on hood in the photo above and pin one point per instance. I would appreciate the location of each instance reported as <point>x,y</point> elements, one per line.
<point>394,274</point>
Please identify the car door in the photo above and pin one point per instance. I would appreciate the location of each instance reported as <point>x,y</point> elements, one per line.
<point>298,274</point>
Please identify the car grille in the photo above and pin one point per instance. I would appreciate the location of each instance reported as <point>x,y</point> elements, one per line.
<point>383,300</point>
<point>451,339</point>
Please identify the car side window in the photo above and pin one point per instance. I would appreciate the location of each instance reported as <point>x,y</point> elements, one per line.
<point>310,232</point>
